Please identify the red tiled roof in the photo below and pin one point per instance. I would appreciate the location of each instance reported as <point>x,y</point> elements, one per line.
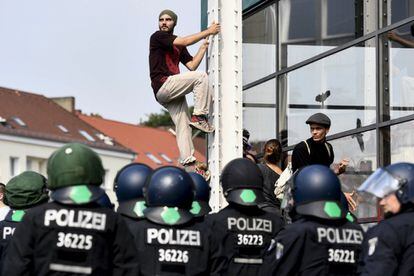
<point>42,117</point>
<point>141,140</point>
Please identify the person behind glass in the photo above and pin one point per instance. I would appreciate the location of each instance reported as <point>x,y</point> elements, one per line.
<point>170,86</point>
<point>316,150</point>
<point>271,171</point>
<point>4,209</point>
<point>392,35</point>
<point>247,147</point>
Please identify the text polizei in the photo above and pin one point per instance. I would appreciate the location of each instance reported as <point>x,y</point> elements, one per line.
<point>75,218</point>
<point>249,224</point>
<point>339,236</point>
<point>7,231</point>
<point>174,237</point>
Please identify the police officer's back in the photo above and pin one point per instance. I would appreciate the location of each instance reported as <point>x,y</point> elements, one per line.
<point>72,234</point>
<point>244,230</point>
<point>129,183</point>
<point>321,241</point>
<point>389,247</point>
<point>170,240</point>
<point>23,191</point>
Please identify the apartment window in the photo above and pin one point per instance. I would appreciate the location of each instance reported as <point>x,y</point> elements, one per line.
<point>153,158</point>
<point>14,166</point>
<point>166,158</point>
<point>86,135</point>
<point>63,128</point>
<point>19,121</point>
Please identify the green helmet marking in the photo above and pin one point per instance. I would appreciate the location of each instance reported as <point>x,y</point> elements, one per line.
<point>80,194</point>
<point>332,209</point>
<point>18,215</point>
<point>349,217</point>
<point>139,208</point>
<point>195,208</point>
<point>248,196</point>
<point>170,215</point>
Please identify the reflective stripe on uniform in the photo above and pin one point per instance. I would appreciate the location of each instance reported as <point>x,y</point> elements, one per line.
<point>248,261</point>
<point>71,268</point>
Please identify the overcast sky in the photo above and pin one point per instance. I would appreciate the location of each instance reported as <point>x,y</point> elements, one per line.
<point>94,50</point>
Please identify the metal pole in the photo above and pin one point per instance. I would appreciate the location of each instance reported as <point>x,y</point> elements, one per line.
<point>225,72</point>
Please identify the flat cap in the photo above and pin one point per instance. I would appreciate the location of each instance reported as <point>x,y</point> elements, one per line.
<point>320,119</point>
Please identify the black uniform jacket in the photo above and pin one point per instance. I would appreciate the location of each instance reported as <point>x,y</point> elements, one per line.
<point>318,153</point>
<point>7,227</point>
<point>56,239</point>
<point>176,250</point>
<point>243,233</point>
<point>389,247</point>
<point>312,246</point>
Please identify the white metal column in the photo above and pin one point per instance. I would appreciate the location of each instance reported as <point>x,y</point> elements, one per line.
<point>225,71</point>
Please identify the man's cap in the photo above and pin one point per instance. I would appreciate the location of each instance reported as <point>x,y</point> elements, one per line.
<point>74,164</point>
<point>170,13</point>
<point>26,190</point>
<point>320,119</point>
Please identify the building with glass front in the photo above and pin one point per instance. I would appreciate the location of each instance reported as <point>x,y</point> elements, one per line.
<point>350,59</point>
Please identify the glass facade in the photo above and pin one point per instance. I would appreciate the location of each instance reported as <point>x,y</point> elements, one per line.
<point>352,60</point>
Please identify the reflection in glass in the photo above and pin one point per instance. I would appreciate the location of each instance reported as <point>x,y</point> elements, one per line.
<point>259,45</point>
<point>260,122</point>
<point>310,27</point>
<point>400,9</point>
<point>263,93</point>
<point>360,150</point>
<point>342,86</point>
<point>401,70</point>
<point>402,142</point>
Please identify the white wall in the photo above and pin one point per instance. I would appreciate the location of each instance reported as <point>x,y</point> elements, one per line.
<point>39,151</point>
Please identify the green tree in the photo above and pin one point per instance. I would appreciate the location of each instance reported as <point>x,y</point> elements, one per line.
<point>158,119</point>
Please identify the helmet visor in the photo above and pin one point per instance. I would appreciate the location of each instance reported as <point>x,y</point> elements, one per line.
<point>380,184</point>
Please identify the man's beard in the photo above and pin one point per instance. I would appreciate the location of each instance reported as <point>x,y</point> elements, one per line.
<point>170,31</point>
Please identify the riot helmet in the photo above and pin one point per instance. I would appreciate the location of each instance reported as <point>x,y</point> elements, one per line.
<point>169,194</point>
<point>128,185</point>
<point>396,178</point>
<point>242,182</point>
<point>26,190</point>
<point>200,206</point>
<point>317,192</point>
<point>75,173</point>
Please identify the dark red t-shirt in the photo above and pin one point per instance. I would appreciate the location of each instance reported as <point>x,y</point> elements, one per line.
<point>164,58</point>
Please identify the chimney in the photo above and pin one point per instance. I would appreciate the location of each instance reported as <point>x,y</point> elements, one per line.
<point>67,103</point>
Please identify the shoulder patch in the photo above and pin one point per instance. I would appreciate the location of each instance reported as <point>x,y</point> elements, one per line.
<point>372,243</point>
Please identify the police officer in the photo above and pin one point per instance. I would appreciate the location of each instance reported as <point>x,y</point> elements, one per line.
<point>244,230</point>
<point>389,247</point>
<point>200,207</point>
<point>105,201</point>
<point>72,234</point>
<point>129,183</point>
<point>23,191</point>
<point>321,241</point>
<point>170,240</point>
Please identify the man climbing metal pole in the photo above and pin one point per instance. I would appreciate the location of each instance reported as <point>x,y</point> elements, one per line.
<point>170,86</point>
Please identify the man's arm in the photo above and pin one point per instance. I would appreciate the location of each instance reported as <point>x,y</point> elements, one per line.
<point>405,42</point>
<point>194,38</point>
<point>193,64</point>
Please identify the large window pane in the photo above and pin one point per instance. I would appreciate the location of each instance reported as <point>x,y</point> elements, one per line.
<point>264,93</point>
<point>402,142</point>
<point>360,150</point>
<point>310,27</point>
<point>259,45</point>
<point>260,122</point>
<point>341,86</point>
<point>400,71</point>
<point>400,9</point>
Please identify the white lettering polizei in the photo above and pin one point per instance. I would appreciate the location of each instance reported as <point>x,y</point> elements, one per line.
<point>75,218</point>
<point>7,231</point>
<point>174,236</point>
<point>249,224</point>
<point>339,236</point>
